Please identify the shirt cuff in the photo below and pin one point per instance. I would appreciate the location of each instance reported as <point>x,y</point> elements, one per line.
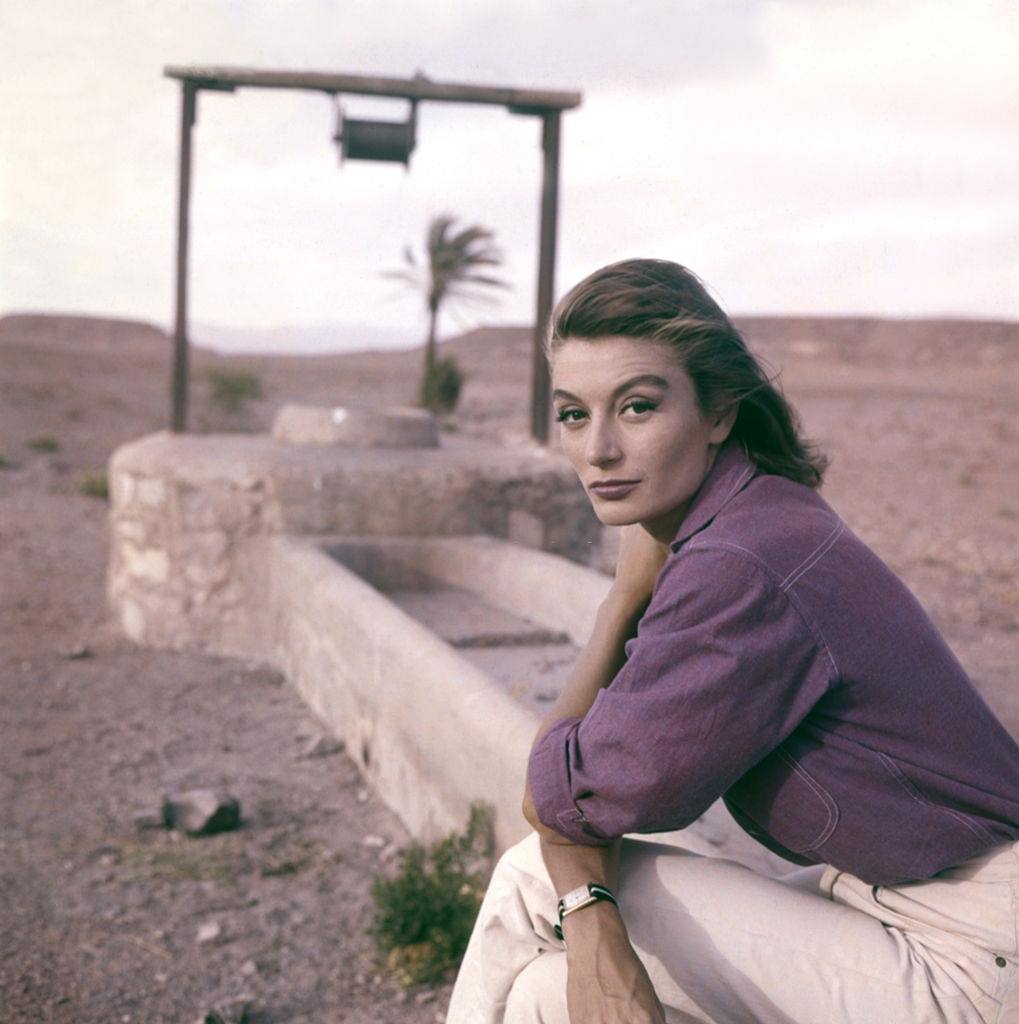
<point>548,776</point>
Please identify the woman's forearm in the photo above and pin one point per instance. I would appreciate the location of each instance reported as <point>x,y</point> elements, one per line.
<point>596,667</point>
<point>569,864</point>
<point>602,657</point>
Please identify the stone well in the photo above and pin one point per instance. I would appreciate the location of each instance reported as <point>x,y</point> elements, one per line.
<point>185,508</point>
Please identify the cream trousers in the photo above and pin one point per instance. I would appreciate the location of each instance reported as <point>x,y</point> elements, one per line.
<point>726,945</point>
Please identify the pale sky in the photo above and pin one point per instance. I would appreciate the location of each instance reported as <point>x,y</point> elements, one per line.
<point>802,156</point>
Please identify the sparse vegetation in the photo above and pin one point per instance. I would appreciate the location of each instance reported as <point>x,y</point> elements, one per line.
<point>441,385</point>
<point>230,389</point>
<point>217,858</point>
<point>94,485</point>
<point>292,862</point>
<point>424,915</point>
<point>45,443</point>
<point>6,463</point>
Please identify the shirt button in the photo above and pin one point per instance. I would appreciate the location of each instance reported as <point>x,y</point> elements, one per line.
<point>1001,961</point>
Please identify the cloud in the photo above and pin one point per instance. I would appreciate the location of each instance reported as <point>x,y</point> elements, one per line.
<point>738,137</point>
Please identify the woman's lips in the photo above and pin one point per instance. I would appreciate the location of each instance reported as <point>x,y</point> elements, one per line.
<point>614,490</point>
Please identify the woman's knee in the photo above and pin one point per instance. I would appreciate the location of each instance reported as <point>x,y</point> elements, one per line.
<point>524,856</point>
<point>526,850</point>
<point>538,995</point>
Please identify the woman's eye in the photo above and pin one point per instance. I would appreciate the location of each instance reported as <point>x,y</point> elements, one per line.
<point>569,415</point>
<point>640,406</point>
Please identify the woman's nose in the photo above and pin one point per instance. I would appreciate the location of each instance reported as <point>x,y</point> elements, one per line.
<point>602,444</point>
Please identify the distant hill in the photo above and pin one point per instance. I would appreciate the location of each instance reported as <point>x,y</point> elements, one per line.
<point>74,331</point>
<point>874,339</point>
<point>94,382</point>
<point>849,339</point>
<point>324,339</point>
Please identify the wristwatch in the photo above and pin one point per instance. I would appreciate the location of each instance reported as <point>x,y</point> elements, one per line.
<point>577,899</point>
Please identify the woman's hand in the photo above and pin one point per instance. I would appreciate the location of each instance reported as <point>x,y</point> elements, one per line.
<point>639,562</point>
<point>605,981</point>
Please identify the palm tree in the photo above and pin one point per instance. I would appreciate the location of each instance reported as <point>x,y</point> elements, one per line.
<point>452,267</point>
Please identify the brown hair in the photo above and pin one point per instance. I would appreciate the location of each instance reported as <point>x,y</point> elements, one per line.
<point>665,303</point>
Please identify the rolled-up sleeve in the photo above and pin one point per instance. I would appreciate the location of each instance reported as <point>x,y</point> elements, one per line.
<point>724,666</point>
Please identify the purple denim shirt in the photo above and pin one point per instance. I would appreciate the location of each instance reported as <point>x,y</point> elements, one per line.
<point>782,665</point>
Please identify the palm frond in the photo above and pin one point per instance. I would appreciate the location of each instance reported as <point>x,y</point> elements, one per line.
<point>453,257</point>
<point>475,233</point>
<point>495,282</point>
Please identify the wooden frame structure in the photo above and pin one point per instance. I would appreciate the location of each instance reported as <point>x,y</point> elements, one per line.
<point>544,104</point>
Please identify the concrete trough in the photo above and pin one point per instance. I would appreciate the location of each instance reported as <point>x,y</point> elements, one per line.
<point>435,660</point>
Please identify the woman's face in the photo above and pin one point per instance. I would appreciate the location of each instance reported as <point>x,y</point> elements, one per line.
<point>631,426</point>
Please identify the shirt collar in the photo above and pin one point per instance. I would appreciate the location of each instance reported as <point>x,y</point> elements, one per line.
<point>731,472</point>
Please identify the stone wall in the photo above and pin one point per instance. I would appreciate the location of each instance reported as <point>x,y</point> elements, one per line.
<point>184,508</point>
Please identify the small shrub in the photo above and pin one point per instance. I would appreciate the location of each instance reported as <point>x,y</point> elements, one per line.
<point>43,444</point>
<point>424,915</point>
<point>94,485</point>
<point>232,388</point>
<point>6,463</point>
<point>440,387</point>
<point>218,859</point>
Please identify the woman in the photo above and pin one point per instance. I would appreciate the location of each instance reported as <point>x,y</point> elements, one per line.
<point>750,648</point>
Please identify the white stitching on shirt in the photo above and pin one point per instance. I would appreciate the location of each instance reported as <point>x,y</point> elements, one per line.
<point>748,472</point>
<point>822,794</point>
<point>813,557</point>
<point>808,620</point>
<point>739,483</point>
<point>921,798</point>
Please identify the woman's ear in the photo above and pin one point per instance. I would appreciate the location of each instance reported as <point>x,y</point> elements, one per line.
<point>722,424</point>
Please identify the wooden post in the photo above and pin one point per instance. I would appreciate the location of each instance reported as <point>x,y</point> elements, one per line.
<point>180,333</point>
<point>546,275</point>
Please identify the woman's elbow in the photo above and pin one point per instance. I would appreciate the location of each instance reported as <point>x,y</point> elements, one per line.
<point>529,811</point>
<point>531,816</point>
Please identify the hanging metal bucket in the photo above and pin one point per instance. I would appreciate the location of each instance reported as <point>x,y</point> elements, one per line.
<point>390,141</point>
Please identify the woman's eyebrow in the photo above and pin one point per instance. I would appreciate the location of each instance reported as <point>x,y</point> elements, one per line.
<point>645,378</point>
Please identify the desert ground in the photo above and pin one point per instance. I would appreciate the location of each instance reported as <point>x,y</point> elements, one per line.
<point>100,919</point>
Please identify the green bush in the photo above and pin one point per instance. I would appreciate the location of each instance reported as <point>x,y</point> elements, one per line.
<point>43,444</point>
<point>440,387</point>
<point>94,485</point>
<point>6,463</point>
<point>424,915</point>
<point>232,388</point>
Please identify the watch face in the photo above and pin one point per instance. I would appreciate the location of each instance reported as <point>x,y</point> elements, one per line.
<point>576,898</point>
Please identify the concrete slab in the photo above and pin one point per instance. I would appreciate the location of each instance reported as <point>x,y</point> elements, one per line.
<point>392,427</point>
<point>463,619</point>
<point>531,673</point>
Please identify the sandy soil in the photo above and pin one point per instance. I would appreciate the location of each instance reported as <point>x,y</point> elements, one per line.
<point>100,919</point>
